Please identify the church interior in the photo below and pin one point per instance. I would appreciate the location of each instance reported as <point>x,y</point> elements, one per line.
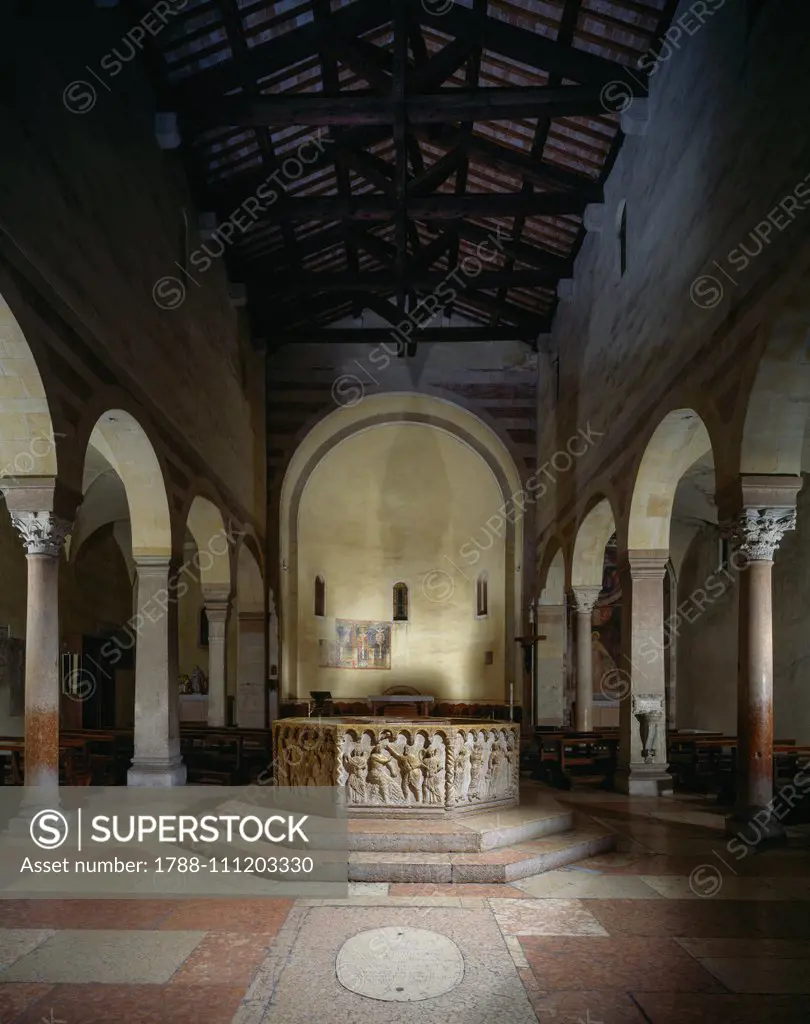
<point>404,415</point>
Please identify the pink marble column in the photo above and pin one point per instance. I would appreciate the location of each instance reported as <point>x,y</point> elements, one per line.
<point>756,534</point>
<point>43,535</point>
<point>642,765</point>
<point>584,600</point>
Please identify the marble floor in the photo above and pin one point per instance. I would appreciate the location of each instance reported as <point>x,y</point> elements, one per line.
<point>674,927</point>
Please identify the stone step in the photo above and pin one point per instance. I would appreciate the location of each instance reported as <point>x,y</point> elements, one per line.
<point>474,833</point>
<point>504,864</point>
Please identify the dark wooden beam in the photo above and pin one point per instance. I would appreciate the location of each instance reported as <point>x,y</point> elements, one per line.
<point>376,171</point>
<point>386,280</point>
<point>436,207</point>
<point>362,108</point>
<point>531,48</point>
<point>330,82</point>
<point>227,195</point>
<point>438,172</point>
<point>377,335</point>
<point>278,53</point>
<point>522,251</point>
<point>398,109</point>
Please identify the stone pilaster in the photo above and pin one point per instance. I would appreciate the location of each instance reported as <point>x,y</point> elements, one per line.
<point>584,600</point>
<point>217,610</point>
<point>755,534</point>
<point>550,654</point>
<point>642,765</point>
<point>157,760</point>
<point>43,534</point>
<point>252,672</point>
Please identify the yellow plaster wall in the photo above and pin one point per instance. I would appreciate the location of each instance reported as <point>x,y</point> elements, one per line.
<point>404,502</point>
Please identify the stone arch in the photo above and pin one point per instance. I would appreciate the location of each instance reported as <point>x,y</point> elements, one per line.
<point>679,440</point>
<point>28,446</point>
<point>552,575</point>
<point>400,407</point>
<point>122,440</point>
<point>778,408</point>
<point>206,525</point>
<point>593,533</point>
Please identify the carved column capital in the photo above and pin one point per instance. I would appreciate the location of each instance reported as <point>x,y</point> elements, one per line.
<point>758,532</point>
<point>42,533</point>
<point>585,598</point>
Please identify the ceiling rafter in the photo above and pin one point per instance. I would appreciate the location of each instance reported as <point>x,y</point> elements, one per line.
<point>434,134</point>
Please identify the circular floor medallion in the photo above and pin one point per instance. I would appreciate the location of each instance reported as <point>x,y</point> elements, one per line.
<point>399,964</point>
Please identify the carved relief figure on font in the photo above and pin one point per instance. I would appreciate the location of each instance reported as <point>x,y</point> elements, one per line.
<point>410,762</point>
<point>433,762</point>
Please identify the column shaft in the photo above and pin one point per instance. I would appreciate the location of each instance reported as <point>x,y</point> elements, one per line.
<point>584,598</point>
<point>43,535</point>
<point>157,760</point>
<point>755,705</point>
<point>42,677</point>
<point>756,533</point>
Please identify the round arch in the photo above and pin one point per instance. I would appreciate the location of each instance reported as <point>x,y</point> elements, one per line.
<point>778,407</point>
<point>679,440</point>
<point>121,439</point>
<point>28,446</point>
<point>593,533</point>
<point>207,526</point>
<point>552,575</point>
<point>393,408</point>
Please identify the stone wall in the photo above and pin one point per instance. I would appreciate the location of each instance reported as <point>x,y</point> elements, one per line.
<point>93,213</point>
<point>686,325</point>
<point>713,163</point>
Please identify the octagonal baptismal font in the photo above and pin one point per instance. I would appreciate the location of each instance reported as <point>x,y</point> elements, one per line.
<point>396,767</point>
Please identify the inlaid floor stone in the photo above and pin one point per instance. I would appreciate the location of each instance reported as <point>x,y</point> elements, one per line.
<point>116,957</point>
<point>399,964</point>
<point>545,917</point>
<point>16,942</point>
<point>490,990</point>
<point>761,975</point>
<point>582,885</point>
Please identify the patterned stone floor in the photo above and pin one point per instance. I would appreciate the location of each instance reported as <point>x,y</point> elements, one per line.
<point>673,927</point>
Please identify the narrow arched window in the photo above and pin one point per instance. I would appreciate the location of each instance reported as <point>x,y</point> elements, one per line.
<point>481,595</point>
<point>621,231</point>
<point>400,602</point>
<point>320,595</point>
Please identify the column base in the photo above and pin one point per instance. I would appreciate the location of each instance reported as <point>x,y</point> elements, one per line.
<point>640,779</point>
<point>159,774</point>
<point>755,826</point>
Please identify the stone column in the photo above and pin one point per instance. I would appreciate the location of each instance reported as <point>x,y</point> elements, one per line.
<point>642,768</point>
<point>157,760</point>
<point>43,535</point>
<point>217,609</point>
<point>584,600</point>
<point>755,535</point>
<point>250,685</point>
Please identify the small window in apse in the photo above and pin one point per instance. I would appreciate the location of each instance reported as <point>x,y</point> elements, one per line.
<point>400,602</point>
<point>481,595</point>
